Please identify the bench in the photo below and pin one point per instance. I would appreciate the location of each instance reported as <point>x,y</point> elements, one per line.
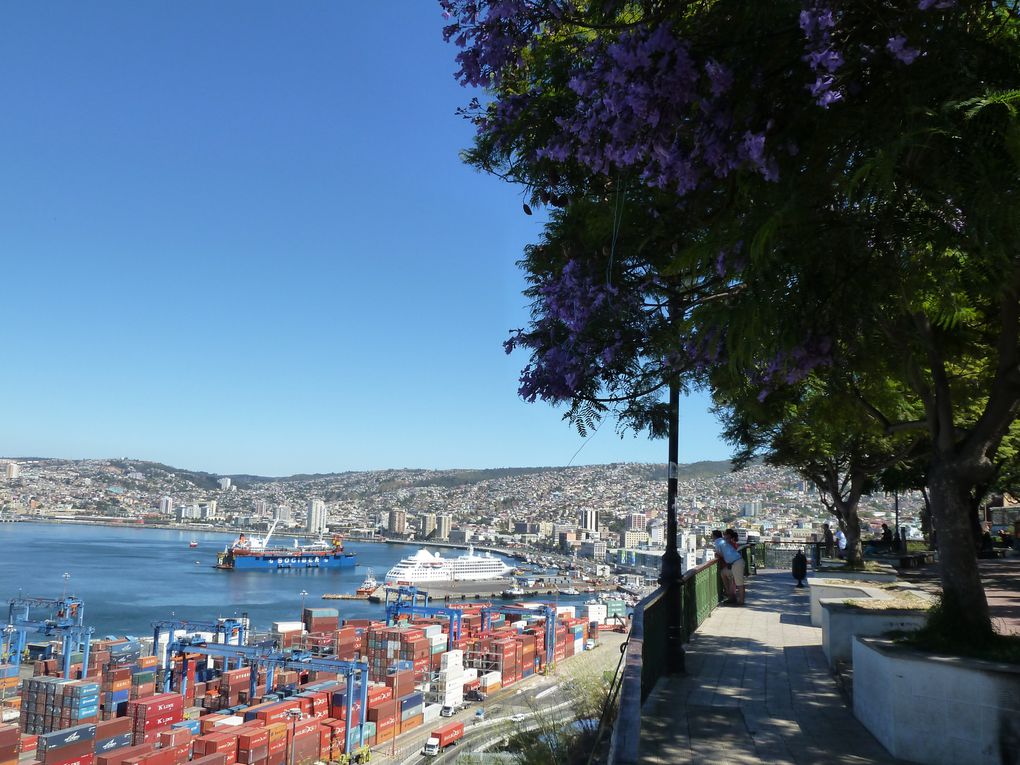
<point>915,559</point>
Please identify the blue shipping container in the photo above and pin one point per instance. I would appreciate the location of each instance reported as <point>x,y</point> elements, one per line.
<point>59,738</point>
<point>194,726</point>
<point>414,700</point>
<point>116,742</point>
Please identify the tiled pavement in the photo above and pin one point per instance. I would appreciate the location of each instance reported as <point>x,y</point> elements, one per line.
<point>758,688</point>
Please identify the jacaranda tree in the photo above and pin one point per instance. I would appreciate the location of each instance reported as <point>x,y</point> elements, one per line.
<point>832,176</point>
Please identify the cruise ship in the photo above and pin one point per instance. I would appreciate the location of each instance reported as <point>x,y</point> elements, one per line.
<point>424,566</point>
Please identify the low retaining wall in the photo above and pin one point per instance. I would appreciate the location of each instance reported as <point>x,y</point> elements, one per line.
<point>842,623</point>
<point>843,590</point>
<point>937,710</point>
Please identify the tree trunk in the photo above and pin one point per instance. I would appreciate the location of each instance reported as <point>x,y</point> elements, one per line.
<point>963,595</point>
<point>850,522</point>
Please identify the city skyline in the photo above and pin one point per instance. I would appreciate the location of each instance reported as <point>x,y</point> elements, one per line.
<point>240,239</point>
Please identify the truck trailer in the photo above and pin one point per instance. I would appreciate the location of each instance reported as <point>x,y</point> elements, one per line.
<point>443,737</point>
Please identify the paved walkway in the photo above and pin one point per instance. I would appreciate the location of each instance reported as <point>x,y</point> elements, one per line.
<point>758,688</point>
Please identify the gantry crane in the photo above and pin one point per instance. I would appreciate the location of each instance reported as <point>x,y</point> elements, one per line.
<point>266,657</point>
<point>64,618</point>
<point>401,605</point>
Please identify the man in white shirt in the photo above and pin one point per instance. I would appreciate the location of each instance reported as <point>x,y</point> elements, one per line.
<point>840,543</point>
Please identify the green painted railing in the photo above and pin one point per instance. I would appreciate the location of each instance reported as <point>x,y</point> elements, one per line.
<point>646,651</point>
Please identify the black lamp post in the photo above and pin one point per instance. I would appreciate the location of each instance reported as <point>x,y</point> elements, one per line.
<point>671,572</point>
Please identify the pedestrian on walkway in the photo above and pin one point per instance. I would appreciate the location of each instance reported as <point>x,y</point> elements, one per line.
<point>840,544</point>
<point>827,538</point>
<point>724,568</point>
<point>732,555</point>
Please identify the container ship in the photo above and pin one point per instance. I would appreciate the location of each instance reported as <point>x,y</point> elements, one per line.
<point>254,554</point>
<point>424,566</point>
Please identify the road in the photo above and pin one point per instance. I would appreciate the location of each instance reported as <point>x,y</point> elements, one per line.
<point>537,695</point>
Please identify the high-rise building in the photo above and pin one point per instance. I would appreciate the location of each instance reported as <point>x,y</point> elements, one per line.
<point>637,522</point>
<point>261,507</point>
<point>426,524</point>
<point>444,524</point>
<point>13,470</point>
<point>281,513</point>
<point>588,520</point>
<point>656,533</point>
<point>210,508</point>
<point>750,509</point>
<point>166,506</point>
<point>398,522</point>
<point>224,483</point>
<point>315,519</point>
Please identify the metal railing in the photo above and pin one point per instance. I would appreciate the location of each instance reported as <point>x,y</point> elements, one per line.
<point>646,651</point>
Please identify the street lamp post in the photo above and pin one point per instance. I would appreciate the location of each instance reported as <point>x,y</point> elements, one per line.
<point>66,577</point>
<point>304,594</point>
<point>671,573</point>
<point>295,715</point>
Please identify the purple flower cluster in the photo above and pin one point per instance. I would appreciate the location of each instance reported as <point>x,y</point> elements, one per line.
<point>817,21</point>
<point>581,326</point>
<point>792,366</point>
<point>492,34</point>
<point>635,98</point>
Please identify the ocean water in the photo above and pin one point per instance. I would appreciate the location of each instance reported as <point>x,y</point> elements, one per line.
<point>129,577</point>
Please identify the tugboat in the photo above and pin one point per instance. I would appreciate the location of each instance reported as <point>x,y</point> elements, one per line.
<point>367,587</point>
<point>192,544</point>
<point>254,554</point>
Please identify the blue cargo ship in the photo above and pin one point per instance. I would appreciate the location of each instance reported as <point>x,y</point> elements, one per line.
<point>254,554</point>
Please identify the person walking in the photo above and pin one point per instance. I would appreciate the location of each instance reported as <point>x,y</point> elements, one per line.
<point>827,539</point>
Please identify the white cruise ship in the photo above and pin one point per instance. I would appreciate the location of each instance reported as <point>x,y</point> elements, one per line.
<point>423,566</point>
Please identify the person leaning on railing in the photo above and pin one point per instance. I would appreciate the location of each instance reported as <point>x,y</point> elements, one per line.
<point>724,568</point>
<point>735,560</point>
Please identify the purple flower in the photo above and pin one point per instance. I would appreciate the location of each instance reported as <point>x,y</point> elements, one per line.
<point>897,46</point>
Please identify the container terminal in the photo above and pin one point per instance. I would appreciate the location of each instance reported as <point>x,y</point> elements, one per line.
<point>315,690</point>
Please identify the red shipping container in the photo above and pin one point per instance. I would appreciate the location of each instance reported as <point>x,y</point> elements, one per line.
<point>210,759</point>
<point>117,756</point>
<point>84,759</point>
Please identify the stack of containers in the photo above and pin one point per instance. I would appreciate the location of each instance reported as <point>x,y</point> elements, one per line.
<point>528,654</point>
<point>321,619</point>
<point>412,708</point>
<point>305,743</point>
<point>506,659</point>
<point>616,608</point>
<point>490,682</point>
<point>51,703</point>
<point>10,737</point>
<point>71,746</point>
<point>119,756</point>
<point>348,643</point>
<point>151,715</point>
<point>387,645</point>
<point>450,680</point>
<point>8,677</point>
<point>288,633</point>
<point>143,683</point>
<point>577,631</point>
<point>113,734</point>
<point>597,612</point>
<point>384,714</point>
<point>232,684</point>
<point>116,691</point>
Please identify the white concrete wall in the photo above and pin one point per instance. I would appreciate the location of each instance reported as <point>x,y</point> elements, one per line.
<point>936,710</point>
<point>841,623</point>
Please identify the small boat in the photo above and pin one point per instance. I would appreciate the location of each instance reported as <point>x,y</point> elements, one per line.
<point>193,544</point>
<point>512,593</point>
<point>367,587</point>
<point>569,591</point>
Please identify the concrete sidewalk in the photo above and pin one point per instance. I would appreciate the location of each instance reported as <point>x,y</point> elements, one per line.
<point>757,690</point>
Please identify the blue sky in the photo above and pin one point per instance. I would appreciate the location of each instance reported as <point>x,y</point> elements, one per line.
<point>237,237</point>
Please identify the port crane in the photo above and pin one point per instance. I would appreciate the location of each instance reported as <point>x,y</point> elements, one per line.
<point>62,617</point>
<point>267,657</point>
<point>224,631</point>
<point>405,601</point>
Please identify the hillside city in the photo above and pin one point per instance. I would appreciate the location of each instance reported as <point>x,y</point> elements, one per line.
<point>611,514</point>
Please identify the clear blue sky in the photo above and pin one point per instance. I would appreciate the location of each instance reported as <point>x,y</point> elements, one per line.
<point>237,237</point>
